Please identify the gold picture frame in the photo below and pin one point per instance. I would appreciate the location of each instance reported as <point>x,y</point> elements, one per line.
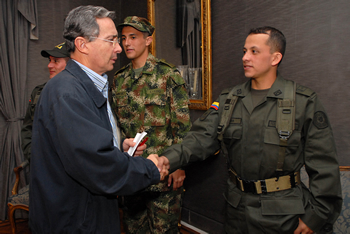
<point>206,100</point>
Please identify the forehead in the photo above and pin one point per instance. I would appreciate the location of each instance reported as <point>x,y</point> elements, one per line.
<point>130,30</point>
<point>256,41</point>
<point>56,58</point>
<point>107,27</point>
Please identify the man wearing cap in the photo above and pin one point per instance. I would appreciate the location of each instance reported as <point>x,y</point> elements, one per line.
<point>58,58</point>
<point>78,164</point>
<point>150,95</point>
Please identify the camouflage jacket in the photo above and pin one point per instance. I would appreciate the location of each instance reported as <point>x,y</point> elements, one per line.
<point>155,102</point>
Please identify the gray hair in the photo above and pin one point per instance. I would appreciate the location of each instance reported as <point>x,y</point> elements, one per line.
<point>81,22</point>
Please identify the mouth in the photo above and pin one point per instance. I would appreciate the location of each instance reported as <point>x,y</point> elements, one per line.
<point>246,67</point>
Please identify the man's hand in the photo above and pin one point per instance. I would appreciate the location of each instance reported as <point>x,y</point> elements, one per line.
<point>154,158</point>
<point>129,143</point>
<point>163,166</point>
<point>177,178</point>
<point>302,228</point>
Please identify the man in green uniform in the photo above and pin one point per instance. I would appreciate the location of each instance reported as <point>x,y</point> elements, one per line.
<point>150,95</point>
<point>58,58</point>
<point>275,129</point>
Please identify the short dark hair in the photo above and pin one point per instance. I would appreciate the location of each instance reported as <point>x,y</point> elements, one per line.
<point>81,22</point>
<point>276,41</point>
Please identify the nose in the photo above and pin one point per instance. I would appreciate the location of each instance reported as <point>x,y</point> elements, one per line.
<point>118,48</point>
<point>245,56</point>
<point>51,64</point>
<point>126,42</point>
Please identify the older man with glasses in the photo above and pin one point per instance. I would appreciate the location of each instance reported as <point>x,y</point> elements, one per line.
<point>78,167</point>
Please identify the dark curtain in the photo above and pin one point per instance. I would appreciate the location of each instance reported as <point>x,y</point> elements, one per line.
<point>18,24</point>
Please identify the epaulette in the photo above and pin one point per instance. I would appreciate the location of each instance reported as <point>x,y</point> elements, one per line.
<point>166,63</point>
<point>122,69</point>
<point>225,91</point>
<point>237,90</point>
<point>304,90</point>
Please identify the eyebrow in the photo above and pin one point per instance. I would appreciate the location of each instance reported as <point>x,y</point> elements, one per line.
<point>253,47</point>
<point>131,34</point>
<point>113,36</point>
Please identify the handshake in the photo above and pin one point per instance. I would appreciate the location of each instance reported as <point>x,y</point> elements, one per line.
<point>162,163</point>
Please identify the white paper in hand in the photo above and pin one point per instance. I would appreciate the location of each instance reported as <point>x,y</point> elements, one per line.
<point>138,138</point>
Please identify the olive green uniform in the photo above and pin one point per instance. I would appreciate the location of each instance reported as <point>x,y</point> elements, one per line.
<point>155,101</point>
<point>26,132</point>
<point>253,146</point>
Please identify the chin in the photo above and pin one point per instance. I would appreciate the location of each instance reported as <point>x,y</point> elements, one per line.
<point>248,75</point>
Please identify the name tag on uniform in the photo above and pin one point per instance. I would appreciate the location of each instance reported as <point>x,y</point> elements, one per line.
<point>155,91</point>
<point>236,121</point>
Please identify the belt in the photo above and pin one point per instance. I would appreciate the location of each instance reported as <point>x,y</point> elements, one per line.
<point>265,186</point>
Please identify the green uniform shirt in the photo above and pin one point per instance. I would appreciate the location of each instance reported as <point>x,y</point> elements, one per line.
<point>26,132</point>
<point>155,102</point>
<point>253,148</point>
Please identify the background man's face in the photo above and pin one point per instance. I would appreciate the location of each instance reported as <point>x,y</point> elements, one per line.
<point>56,65</point>
<point>134,43</point>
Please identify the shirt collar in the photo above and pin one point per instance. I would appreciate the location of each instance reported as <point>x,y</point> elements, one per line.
<point>276,90</point>
<point>101,82</point>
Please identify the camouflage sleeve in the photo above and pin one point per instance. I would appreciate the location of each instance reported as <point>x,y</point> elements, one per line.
<point>180,115</point>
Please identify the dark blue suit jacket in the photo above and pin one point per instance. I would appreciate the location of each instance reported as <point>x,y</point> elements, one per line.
<point>76,172</point>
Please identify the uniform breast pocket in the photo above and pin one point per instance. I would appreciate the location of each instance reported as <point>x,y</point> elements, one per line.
<point>121,105</point>
<point>120,98</point>
<point>155,110</point>
<point>233,131</point>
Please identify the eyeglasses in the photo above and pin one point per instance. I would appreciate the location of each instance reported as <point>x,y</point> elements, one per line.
<point>114,41</point>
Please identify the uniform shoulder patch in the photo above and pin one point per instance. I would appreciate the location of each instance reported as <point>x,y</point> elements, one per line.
<point>320,120</point>
<point>215,105</point>
<point>304,90</point>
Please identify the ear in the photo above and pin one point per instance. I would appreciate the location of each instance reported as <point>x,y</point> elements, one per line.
<point>276,58</point>
<point>149,40</point>
<point>81,45</point>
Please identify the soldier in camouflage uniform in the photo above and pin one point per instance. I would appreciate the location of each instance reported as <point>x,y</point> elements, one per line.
<point>58,58</point>
<point>264,192</point>
<point>150,95</point>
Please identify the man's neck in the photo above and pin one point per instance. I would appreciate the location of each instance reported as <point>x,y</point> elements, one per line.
<point>140,61</point>
<point>264,82</point>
